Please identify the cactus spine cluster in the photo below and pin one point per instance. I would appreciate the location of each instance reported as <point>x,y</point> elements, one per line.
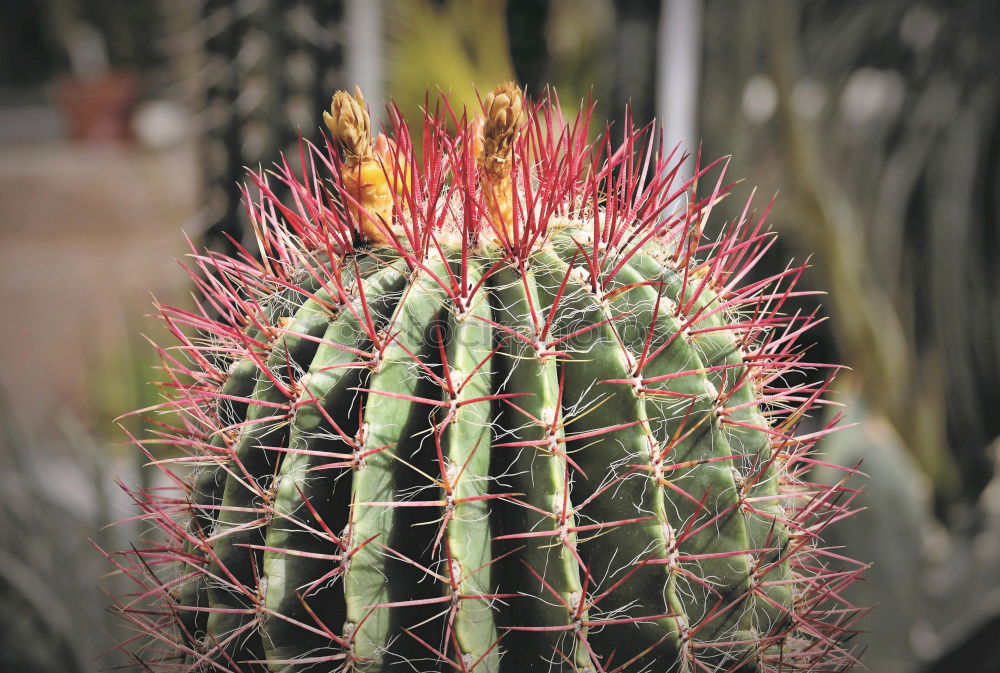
<point>502,407</point>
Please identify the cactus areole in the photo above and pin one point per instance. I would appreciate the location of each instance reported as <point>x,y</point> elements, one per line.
<point>500,405</point>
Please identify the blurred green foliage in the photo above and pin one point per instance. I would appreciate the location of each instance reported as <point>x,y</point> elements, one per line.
<point>469,56</point>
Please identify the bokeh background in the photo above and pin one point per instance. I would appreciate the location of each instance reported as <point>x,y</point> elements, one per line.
<point>877,124</point>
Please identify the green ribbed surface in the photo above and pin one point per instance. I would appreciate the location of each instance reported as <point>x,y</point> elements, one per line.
<point>474,491</point>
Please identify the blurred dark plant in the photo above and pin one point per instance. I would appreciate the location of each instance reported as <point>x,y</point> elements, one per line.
<point>937,588</point>
<point>882,123</point>
<point>266,71</point>
<point>58,493</point>
<point>576,46</point>
<point>55,498</point>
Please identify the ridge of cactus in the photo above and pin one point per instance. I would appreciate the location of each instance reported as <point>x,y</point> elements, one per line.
<point>500,407</point>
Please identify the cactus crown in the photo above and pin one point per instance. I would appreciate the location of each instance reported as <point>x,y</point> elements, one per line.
<point>500,407</point>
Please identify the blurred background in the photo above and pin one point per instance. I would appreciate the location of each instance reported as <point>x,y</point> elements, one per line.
<point>125,122</point>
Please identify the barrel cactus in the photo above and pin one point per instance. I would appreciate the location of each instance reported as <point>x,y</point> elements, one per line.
<point>500,405</point>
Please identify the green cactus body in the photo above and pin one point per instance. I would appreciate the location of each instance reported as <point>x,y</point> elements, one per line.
<point>531,435</point>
